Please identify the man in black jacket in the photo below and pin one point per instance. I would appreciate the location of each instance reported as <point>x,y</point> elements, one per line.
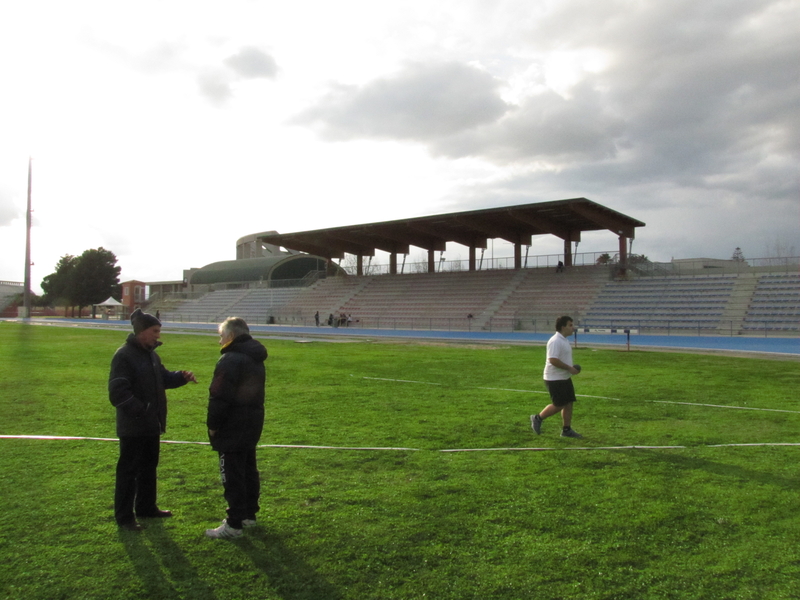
<point>235,420</point>
<point>136,387</point>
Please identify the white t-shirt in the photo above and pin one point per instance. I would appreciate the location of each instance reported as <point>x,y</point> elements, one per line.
<point>557,347</point>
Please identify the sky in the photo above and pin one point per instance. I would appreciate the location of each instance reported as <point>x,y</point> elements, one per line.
<point>166,130</point>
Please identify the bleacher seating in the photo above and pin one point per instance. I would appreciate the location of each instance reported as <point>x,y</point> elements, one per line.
<point>542,296</point>
<point>694,303</point>
<point>424,300</point>
<point>775,304</point>
<point>526,299</point>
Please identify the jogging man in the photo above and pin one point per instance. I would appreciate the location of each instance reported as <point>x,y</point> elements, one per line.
<point>558,372</point>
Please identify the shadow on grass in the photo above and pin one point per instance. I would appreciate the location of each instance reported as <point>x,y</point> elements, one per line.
<point>158,567</point>
<point>717,468</point>
<point>289,575</point>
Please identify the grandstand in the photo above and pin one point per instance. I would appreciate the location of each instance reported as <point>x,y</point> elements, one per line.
<point>287,278</point>
<point>9,290</point>
<point>520,299</point>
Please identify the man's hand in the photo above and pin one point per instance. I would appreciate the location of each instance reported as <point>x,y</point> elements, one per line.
<point>212,432</point>
<point>189,376</point>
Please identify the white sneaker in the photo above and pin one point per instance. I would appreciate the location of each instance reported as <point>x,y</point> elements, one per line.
<point>249,523</point>
<point>224,531</point>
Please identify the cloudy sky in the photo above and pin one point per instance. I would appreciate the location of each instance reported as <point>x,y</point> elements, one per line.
<point>164,131</point>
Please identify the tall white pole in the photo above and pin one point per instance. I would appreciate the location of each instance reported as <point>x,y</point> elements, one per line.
<point>26,295</point>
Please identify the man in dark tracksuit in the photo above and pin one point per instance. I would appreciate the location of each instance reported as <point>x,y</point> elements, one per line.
<point>235,420</point>
<point>136,387</point>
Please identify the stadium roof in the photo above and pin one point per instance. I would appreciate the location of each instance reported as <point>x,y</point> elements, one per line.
<point>269,268</point>
<point>565,219</point>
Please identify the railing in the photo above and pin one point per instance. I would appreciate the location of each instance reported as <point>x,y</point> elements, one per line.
<point>481,264</point>
<point>640,267</point>
<point>699,268</point>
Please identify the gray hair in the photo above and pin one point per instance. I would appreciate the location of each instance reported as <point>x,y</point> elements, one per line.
<point>233,327</point>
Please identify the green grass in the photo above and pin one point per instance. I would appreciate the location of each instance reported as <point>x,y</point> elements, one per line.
<point>698,522</point>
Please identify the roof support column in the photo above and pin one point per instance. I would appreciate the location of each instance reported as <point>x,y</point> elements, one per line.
<point>472,258</point>
<point>623,252</point>
<point>517,256</point>
<point>567,253</point>
<point>359,264</point>
<point>431,261</point>
<point>393,263</point>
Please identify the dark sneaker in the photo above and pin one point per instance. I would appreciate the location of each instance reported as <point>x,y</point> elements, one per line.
<point>536,423</point>
<point>570,433</point>
<point>158,514</point>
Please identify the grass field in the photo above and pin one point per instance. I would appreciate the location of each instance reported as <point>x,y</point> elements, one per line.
<point>579,519</point>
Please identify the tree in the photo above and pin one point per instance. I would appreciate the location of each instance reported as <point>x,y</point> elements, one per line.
<point>96,277</point>
<point>738,255</point>
<point>604,259</point>
<point>83,280</point>
<point>58,286</point>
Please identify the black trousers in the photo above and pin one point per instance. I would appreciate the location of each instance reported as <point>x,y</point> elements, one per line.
<point>136,478</point>
<point>242,485</point>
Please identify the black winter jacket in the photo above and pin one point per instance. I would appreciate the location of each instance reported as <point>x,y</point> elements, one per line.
<point>236,396</point>
<point>136,387</point>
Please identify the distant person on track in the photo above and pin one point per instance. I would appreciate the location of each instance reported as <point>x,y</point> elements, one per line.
<point>235,420</point>
<point>558,372</point>
<point>316,318</point>
<point>136,387</point>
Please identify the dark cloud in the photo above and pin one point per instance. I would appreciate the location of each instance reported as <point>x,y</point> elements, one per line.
<point>545,126</point>
<point>252,63</point>
<point>424,102</point>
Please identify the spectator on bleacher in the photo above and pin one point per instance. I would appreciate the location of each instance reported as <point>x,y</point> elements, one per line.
<point>235,420</point>
<point>136,387</point>
<point>560,267</point>
<point>558,372</point>
<point>316,318</point>
<point>330,319</point>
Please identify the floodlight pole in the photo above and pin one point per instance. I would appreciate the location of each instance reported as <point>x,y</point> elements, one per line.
<point>26,294</point>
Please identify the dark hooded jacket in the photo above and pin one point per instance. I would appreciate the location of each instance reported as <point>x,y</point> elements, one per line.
<point>136,387</point>
<point>236,396</point>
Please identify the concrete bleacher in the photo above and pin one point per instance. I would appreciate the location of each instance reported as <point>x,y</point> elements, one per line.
<point>209,308</point>
<point>542,295</point>
<point>775,304</point>
<point>526,299</point>
<point>261,304</point>
<point>664,303</point>
<point>428,300</point>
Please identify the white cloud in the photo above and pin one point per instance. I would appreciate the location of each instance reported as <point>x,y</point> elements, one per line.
<point>252,63</point>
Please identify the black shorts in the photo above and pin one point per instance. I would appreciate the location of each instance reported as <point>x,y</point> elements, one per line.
<point>562,392</point>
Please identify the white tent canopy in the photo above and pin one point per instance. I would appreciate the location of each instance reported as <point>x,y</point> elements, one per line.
<point>110,302</point>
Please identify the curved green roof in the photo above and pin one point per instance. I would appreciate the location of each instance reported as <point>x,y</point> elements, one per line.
<point>267,268</point>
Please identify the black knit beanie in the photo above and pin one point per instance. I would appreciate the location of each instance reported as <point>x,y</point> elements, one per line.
<point>142,320</point>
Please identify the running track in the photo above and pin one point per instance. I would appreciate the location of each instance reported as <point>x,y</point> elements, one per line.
<point>788,347</point>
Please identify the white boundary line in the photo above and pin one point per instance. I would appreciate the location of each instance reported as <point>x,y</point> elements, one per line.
<point>723,406</point>
<point>579,448</point>
<point>596,397</point>
<point>375,448</point>
<point>450,450</point>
